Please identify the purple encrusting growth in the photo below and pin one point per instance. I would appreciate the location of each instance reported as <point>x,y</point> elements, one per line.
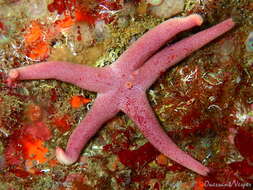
<point>122,86</point>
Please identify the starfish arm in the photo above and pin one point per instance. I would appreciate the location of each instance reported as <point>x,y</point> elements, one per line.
<point>151,41</point>
<point>141,113</point>
<point>90,78</point>
<point>103,109</point>
<point>173,54</point>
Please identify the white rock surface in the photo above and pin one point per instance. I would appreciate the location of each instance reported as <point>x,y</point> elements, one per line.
<point>168,8</point>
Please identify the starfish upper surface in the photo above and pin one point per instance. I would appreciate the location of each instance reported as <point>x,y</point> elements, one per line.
<point>122,86</point>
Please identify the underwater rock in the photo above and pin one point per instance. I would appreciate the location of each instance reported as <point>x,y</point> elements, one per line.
<point>168,8</point>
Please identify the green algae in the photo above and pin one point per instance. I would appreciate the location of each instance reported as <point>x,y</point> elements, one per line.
<point>118,43</point>
<point>10,104</point>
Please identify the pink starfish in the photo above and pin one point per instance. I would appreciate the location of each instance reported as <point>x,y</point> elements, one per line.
<point>122,86</point>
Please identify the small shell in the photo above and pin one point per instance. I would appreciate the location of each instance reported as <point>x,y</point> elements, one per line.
<point>249,42</point>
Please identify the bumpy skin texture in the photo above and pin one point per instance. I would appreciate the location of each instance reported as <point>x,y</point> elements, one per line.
<point>122,85</point>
